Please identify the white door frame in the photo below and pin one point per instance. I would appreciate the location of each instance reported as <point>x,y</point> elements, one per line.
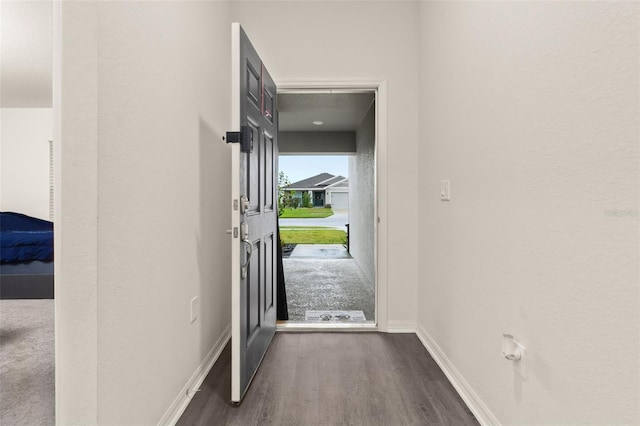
<point>379,88</point>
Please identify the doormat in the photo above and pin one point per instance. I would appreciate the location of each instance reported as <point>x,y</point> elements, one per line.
<point>334,316</point>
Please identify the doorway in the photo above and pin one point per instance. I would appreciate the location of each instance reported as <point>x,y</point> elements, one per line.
<point>318,198</point>
<point>330,285</point>
<point>27,304</point>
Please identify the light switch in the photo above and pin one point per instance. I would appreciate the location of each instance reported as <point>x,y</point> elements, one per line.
<point>445,190</point>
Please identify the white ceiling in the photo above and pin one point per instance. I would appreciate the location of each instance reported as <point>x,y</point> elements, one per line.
<point>26,75</point>
<point>338,111</point>
<point>26,35</point>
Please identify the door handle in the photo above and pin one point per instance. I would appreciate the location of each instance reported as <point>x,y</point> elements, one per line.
<point>244,236</point>
<point>249,252</point>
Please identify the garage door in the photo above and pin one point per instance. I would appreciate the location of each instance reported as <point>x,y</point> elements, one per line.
<point>340,200</point>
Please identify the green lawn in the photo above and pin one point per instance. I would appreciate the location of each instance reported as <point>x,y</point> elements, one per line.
<point>312,235</point>
<point>302,213</point>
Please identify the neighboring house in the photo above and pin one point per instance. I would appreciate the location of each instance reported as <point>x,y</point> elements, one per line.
<point>324,189</point>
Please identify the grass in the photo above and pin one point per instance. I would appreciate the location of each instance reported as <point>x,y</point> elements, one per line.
<point>305,213</point>
<point>305,227</point>
<point>312,235</point>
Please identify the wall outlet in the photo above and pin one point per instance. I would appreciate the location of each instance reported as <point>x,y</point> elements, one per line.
<point>445,190</point>
<point>195,307</point>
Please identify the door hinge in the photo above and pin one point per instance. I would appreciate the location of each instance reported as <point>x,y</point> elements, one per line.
<point>244,137</point>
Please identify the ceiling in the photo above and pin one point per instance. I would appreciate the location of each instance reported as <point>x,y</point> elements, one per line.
<point>26,75</point>
<point>338,111</point>
<point>26,52</point>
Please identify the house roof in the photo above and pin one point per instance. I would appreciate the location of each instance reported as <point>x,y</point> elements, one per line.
<point>331,181</point>
<point>341,184</point>
<point>316,182</point>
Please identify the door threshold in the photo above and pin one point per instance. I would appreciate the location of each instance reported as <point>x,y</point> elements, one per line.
<point>304,326</point>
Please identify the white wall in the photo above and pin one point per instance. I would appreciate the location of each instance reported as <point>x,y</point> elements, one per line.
<point>306,143</point>
<point>76,212</point>
<point>25,54</point>
<point>362,197</point>
<point>152,103</point>
<point>24,160</point>
<point>358,40</point>
<point>531,109</point>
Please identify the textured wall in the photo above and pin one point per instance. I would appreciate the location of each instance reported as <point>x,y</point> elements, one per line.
<point>145,104</point>
<point>76,215</point>
<point>25,54</point>
<point>164,88</point>
<point>24,160</point>
<point>362,200</point>
<point>532,109</point>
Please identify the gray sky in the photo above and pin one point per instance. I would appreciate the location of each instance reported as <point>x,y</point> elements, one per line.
<point>299,167</point>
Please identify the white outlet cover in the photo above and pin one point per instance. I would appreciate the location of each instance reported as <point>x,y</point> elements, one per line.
<point>445,190</point>
<point>195,307</point>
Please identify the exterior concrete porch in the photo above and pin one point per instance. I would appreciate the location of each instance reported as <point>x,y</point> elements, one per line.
<point>325,277</point>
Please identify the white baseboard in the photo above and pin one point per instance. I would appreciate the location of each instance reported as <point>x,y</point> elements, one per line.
<point>181,402</point>
<point>484,416</point>
<point>401,327</point>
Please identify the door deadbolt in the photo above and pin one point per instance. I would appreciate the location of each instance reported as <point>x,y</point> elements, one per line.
<point>244,204</point>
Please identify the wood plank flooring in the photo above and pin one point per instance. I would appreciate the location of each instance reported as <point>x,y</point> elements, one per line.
<point>334,379</point>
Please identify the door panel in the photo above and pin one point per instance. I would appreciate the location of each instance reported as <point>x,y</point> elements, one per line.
<point>253,294</point>
<point>269,169</point>
<point>269,285</point>
<point>253,213</point>
<point>253,170</point>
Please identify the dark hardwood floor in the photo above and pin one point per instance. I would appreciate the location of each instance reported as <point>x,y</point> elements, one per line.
<point>334,379</point>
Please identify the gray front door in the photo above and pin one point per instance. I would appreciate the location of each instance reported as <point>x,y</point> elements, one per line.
<point>254,216</point>
<point>318,198</point>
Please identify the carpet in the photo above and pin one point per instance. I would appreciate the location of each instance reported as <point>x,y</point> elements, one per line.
<point>340,316</point>
<point>27,382</point>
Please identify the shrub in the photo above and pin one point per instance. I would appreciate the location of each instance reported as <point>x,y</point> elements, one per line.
<point>306,199</point>
<point>294,202</point>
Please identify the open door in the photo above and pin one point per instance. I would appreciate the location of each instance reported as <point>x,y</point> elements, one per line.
<point>254,211</point>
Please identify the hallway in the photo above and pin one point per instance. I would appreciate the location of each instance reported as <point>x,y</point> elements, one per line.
<point>334,379</point>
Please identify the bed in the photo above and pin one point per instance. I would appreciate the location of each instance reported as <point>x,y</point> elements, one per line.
<point>26,257</point>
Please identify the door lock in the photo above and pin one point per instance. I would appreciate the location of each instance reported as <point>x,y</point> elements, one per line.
<point>244,204</point>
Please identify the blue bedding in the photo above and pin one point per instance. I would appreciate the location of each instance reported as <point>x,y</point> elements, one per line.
<point>24,238</point>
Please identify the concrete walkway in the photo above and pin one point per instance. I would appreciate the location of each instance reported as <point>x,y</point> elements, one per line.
<point>320,251</point>
<point>325,277</point>
<point>338,221</point>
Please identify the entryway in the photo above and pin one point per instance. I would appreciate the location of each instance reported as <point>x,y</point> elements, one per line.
<point>318,198</point>
<point>330,284</point>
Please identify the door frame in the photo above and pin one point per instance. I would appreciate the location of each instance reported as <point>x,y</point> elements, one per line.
<point>379,88</point>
